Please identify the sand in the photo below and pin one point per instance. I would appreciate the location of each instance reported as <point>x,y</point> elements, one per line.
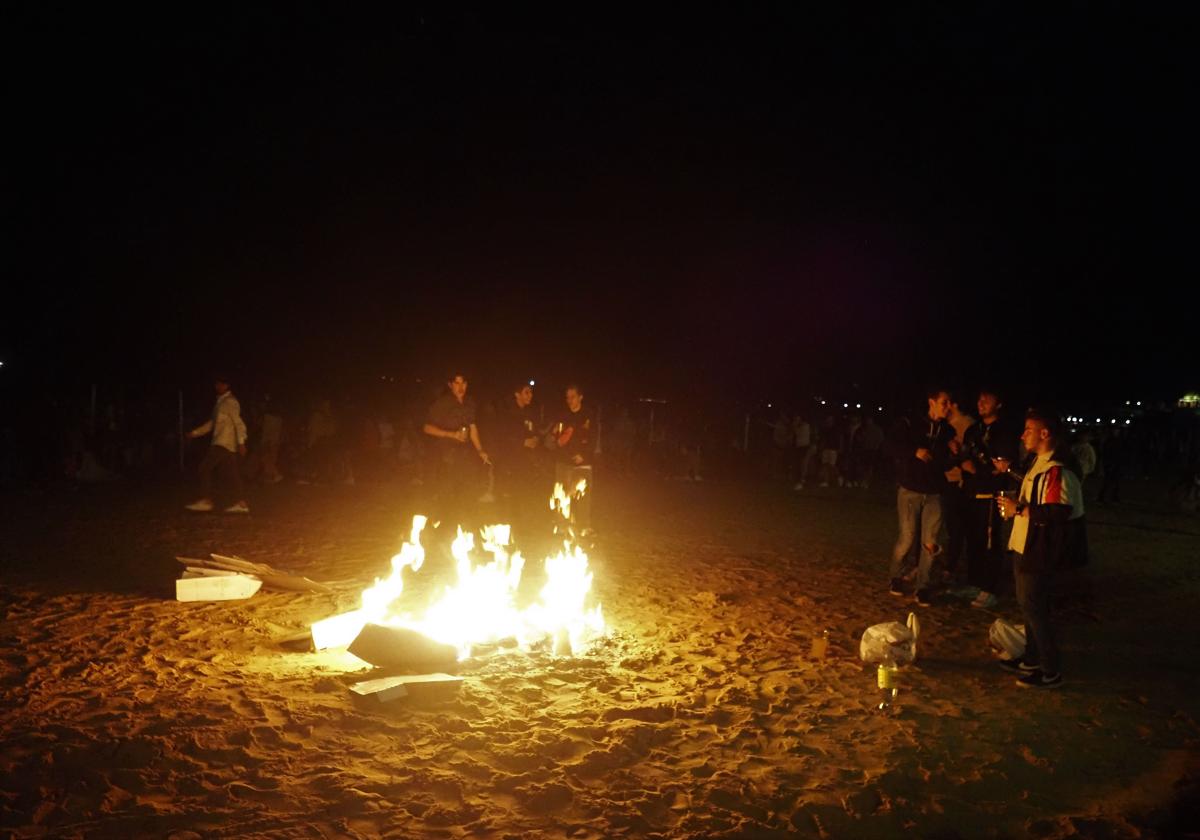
<point>127,714</point>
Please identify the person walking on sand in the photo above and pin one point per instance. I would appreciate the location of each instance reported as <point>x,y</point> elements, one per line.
<point>228,442</point>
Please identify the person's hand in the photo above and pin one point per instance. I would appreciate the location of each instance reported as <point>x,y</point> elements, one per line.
<point>955,446</point>
<point>968,467</point>
<point>460,436</point>
<point>954,475</point>
<point>242,449</point>
<point>577,460</point>
<point>1001,465</point>
<point>924,455</point>
<point>530,443</point>
<point>483,456</point>
<point>1007,507</point>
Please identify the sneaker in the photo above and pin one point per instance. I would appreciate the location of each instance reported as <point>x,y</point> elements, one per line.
<point>924,599</point>
<point>1018,666</point>
<point>897,587</point>
<point>202,506</point>
<point>240,507</point>
<point>1036,679</point>
<point>986,601</point>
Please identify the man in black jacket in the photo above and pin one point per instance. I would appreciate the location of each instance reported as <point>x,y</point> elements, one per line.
<point>986,534</point>
<point>1048,535</point>
<point>514,443</point>
<point>919,448</point>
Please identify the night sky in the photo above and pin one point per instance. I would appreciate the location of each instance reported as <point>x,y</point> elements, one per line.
<point>741,204</point>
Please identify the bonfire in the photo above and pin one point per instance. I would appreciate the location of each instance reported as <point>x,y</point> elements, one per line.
<point>480,608</point>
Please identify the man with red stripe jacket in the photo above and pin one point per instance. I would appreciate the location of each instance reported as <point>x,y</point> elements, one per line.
<point>1047,535</point>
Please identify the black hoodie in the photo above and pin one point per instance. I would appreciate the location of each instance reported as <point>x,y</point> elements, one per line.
<point>909,435</point>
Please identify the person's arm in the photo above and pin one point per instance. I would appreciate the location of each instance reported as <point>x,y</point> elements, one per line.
<point>438,432</point>
<point>239,426</point>
<point>201,430</point>
<point>474,435</point>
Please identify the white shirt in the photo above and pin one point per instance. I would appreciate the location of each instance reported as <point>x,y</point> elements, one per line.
<point>1063,488</point>
<point>228,430</point>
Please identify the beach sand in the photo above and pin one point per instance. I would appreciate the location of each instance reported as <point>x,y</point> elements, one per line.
<point>128,714</point>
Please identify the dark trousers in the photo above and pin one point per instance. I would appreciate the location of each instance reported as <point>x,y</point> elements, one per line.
<point>955,510</point>
<point>458,487</point>
<point>1033,594</point>
<point>221,461</point>
<point>984,563</point>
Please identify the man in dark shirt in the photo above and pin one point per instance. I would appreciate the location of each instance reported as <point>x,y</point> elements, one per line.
<point>986,533</point>
<point>451,424</point>
<point>919,448</point>
<point>574,437</point>
<point>513,439</point>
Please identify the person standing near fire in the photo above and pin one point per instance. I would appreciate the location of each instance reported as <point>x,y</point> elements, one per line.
<point>514,440</point>
<point>574,438</point>
<point>228,443</point>
<point>1048,537</point>
<point>920,449</point>
<point>451,424</point>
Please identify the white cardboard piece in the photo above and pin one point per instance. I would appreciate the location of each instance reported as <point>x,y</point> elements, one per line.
<point>207,587</point>
<point>386,689</point>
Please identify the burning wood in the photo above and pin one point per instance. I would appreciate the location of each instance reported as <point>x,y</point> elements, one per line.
<point>401,648</point>
<point>480,608</point>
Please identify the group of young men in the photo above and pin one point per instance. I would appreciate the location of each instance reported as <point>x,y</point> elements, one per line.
<point>514,456</point>
<point>998,493</point>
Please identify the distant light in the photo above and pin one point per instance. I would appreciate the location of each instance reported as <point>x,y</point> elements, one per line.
<point>881,408</point>
<point>1097,419</point>
<point>1139,402</point>
<point>1113,421</point>
<point>845,405</point>
<point>822,402</point>
<point>1126,422</point>
<point>531,383</point>
<point>858,405</point>
<point>768,405</point>
<point>1126,402</point>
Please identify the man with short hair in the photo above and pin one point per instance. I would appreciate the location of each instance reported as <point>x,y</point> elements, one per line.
<point>228,442</point>
<point>575,447</point>
<point>1048,535</point>
<point>986,534</point>
<point>513,440</point>
<point>919,448</point>
<point>451,423</point>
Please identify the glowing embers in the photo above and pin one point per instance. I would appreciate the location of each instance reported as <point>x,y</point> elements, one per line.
<point>480,608</point>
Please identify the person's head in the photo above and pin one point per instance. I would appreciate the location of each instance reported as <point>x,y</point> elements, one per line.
<point>457,383</point>
<point>1043,431</point>
<point>574,396</point>
<point>988,403</point>
<point>939,403</point>
<point>221,383</point>
<point>523,394</point>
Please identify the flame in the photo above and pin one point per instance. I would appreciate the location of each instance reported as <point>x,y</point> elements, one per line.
<point>481,606</point>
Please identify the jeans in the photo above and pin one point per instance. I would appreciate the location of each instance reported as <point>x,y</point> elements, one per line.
<point>1033,594</point>
<point>919,513</point>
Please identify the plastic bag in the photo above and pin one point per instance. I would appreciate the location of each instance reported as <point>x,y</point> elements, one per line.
<point>1008,640</point>
<point>892,640</point>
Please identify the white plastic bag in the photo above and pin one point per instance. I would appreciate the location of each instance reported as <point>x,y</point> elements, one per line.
<point>1007,640</point>
<point>893,640</point>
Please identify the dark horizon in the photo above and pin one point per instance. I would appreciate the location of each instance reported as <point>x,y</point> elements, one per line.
<point>793,200</point>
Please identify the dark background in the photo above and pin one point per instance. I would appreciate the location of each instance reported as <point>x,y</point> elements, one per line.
<point>729,207</point>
